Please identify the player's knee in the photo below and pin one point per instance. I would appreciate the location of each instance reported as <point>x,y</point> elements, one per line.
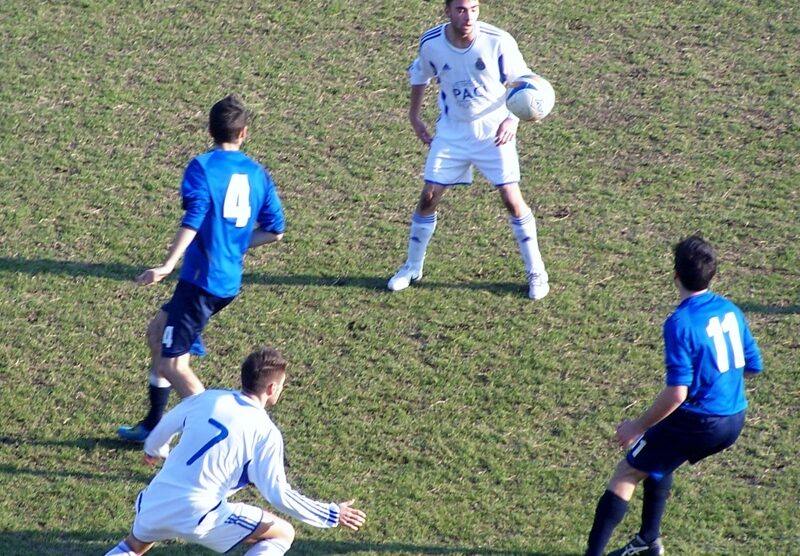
<point>155,331</point>
<point>282,530</point>
<point>428,201</point>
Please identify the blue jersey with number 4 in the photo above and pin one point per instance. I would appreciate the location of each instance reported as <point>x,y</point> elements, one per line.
<point>708,346</point>
<point>225,194</point>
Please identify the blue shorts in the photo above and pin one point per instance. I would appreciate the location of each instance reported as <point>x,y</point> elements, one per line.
<point>683,436</point>
<point>188,313</point>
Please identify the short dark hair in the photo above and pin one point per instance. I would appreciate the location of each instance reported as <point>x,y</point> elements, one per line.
<point>695,263</point>
<point>260,368</point>
<point>227,118</point>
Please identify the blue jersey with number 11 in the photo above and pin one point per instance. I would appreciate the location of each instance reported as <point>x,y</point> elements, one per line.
<point>708,347</point>
<point>225,194</point>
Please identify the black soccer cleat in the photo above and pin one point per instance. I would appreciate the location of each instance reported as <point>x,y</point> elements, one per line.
<point>637,547</point>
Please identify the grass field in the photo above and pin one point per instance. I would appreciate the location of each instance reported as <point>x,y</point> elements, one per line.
<point>463,418</point>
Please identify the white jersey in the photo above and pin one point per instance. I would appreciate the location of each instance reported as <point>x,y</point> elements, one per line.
<point>472,81</point>
<point>227,442</point>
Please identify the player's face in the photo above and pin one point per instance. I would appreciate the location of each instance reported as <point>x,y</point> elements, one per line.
<point>277,390</point>
<point>463,15</point>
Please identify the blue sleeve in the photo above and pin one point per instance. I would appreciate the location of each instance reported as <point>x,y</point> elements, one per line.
<point>752,355</point>
<point>195,195</point>
<point>677,358</point>
<point>270,217</point>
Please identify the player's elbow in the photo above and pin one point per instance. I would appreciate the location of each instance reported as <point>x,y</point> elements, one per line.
<point>678,394</point>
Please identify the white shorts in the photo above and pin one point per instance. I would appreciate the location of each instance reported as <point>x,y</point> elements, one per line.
<point>220,529</point>
<point>454,152</point>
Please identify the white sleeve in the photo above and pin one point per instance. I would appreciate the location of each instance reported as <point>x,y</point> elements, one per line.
<point>157,442</point>
<point>269,477</point>
<point>514,65</point>
<point>420,72</point>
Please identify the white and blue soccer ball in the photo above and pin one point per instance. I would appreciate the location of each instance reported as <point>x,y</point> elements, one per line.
<point>531,98</point>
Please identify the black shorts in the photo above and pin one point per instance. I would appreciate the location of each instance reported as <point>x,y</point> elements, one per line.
<point>683,436</point>
<point>188,313</point>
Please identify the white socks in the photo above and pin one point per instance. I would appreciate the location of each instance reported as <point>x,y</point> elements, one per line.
<point>122,549</point>
<point>524,229</point>
<point>422,228</point>
<point>269,547</point>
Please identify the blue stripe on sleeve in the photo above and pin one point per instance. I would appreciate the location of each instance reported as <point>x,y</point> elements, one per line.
<point>309,506</point>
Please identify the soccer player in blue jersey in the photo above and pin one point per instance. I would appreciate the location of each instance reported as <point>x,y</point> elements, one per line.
<point>708,351</point>
<point>231,205</point>
<point>227,441</point>
<point>472,62</point>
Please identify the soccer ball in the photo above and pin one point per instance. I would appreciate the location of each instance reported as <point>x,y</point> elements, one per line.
<point>531,98</point>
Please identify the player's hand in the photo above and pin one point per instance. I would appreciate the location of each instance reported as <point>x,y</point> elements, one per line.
<point>506,132</point>
<point>153,275</point>
<point>351,517</point>
<point>421,130</point>
<point>628,432</point>
<point>151,460</point>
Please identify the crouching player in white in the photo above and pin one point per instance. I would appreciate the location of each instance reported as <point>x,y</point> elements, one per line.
<point>227,442</point>
<point>472,63</point>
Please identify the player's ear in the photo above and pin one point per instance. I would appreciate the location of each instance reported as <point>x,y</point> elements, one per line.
<point>243,133</point>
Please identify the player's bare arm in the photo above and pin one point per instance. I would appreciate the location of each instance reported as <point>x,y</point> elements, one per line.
<point>350,517</point>
<point>261,237</point>
<point>665,403</point>
<point>421,130</point>
<point>183,238</point>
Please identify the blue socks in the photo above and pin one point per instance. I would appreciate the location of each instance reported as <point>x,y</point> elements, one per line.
<point>610,511</point>
<point>654,502</point>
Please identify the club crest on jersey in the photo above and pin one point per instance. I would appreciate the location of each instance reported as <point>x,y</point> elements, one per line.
<point>480,65</point>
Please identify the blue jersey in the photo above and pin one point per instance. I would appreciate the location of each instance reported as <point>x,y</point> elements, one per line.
<point>225,193</point>
<point>708,346</point>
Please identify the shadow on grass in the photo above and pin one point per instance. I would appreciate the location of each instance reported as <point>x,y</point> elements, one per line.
<point>126,273</point>
<point>86,443</point>
<point>21,543</point>
<point>748,307</point>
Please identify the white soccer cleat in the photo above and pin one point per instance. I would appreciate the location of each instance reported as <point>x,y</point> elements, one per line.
<point>404,277</point>
<point>538,288</point>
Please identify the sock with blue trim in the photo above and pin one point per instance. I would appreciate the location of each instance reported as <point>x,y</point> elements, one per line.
<point>654,502</point>
<point>269,547</point>
<point>609,513</point>
<point>422,228</point>
<point>122,549</point>
<point>524,229</point>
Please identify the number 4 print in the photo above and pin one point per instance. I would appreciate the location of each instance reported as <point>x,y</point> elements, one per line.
<point>719,331</point>
<point>237,200</point>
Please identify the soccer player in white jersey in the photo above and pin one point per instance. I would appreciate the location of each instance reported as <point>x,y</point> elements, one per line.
<point>472,62</point>
<point>227,442</point>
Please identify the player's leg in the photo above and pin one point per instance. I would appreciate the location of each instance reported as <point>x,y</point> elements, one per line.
<point>273,537</point>
<point>178,372</point>
<point>423,224</point>
<point>523,226</point>
<point>612,506</point>
<point>654,502</point>
<point>158,386</point>
<point>660,451</point>
<point>189,313</point>
<point>447,164</point>
<point>131,546</point>
<point>500,165</point>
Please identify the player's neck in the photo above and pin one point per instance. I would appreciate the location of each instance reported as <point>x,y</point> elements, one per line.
<point>228,146</point>
<point>261,400</point>
<point>686,294</point>
<point>456,39</point>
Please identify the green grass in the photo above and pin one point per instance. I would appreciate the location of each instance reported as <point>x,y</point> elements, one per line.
<point>462,417</point>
